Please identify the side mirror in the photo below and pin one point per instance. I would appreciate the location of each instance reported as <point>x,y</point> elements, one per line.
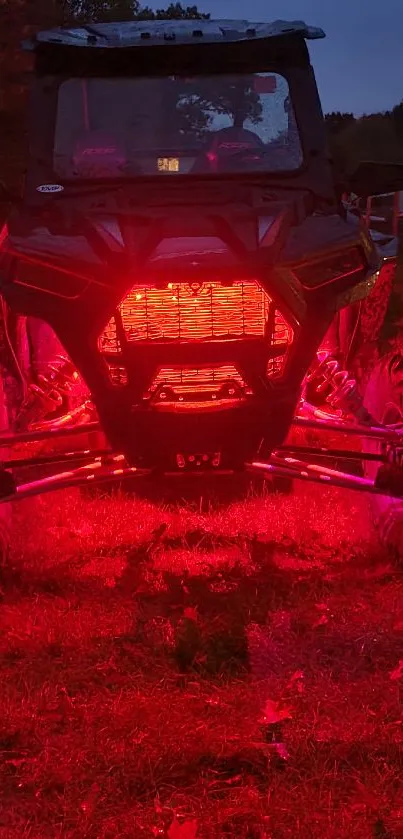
<point>372,178</point>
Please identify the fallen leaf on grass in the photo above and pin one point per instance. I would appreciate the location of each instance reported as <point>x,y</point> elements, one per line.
<point>19,761</point>
<point>281,750</point>
<point>274,748</point>
<point>296,677</point>
<point>186,830</point>
<point>84,530</point>
<point>385,570</point>
<point>273,713</point>
<point>398,672</point>
<point>191,614</point>
<point>88,806</point>
<point>320,621</point>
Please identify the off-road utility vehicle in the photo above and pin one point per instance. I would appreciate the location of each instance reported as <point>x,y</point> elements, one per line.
<point>182,232</point>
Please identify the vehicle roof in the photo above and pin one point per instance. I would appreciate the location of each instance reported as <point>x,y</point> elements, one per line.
<point>150,33</point>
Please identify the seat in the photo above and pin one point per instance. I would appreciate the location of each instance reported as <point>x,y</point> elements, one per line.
<point>228,145</point>
<point>99,154</point>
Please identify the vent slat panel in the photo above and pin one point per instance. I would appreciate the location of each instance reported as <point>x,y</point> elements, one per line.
<point>199,313</point>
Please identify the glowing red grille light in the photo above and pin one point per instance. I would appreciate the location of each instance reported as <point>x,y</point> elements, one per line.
<point>202,384</point>
<point>199,313</point>
<point>183,377</point>
<point>209,311</point>
<point>195,312</point>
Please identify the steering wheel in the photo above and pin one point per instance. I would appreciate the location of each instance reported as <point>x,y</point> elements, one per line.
<point>251,152</point>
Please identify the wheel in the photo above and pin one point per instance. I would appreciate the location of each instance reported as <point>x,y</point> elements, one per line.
<point>384,400</point>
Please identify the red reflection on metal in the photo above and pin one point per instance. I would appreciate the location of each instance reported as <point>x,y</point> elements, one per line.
<point>3,235</point>
<point>48,277</point>
<point>374,307</point>
<point>212,158</point>
<point>347,263</point>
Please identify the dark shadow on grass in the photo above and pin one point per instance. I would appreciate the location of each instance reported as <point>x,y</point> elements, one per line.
<point>207,614</point>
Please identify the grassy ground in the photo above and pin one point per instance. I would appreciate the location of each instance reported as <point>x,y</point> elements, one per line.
<point>173,673</point>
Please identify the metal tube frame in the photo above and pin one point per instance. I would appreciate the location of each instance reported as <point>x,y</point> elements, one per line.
<point>288,461</point>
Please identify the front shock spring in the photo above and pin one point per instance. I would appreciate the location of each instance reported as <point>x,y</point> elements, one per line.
<point>48,394</point>
<point>337,387</point>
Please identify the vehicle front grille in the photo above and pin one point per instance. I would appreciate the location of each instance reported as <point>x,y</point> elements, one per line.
<point>182,312</point>
<point>197,313</point>
<point>190,384</point>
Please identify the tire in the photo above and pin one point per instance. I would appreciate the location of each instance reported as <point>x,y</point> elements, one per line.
<point>384,400</point>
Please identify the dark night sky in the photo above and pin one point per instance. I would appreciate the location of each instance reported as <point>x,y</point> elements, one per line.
<point>359,67</point>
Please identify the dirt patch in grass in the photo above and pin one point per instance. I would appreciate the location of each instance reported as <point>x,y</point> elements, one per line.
<point>172,673</point>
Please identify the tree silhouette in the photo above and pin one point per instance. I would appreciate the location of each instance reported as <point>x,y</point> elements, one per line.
<point>371,137</point>
<point>397,118</point>
<point>175,11</point>
<point>337,122</point>
<point>99,11</point>
<point>103,11</point>
<point>197,104</point>
<point>193,110</point>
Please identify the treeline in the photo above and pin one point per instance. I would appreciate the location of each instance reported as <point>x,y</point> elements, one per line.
<point>371,137</point>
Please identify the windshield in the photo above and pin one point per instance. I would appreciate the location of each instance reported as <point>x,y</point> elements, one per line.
<point>210,125</point>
